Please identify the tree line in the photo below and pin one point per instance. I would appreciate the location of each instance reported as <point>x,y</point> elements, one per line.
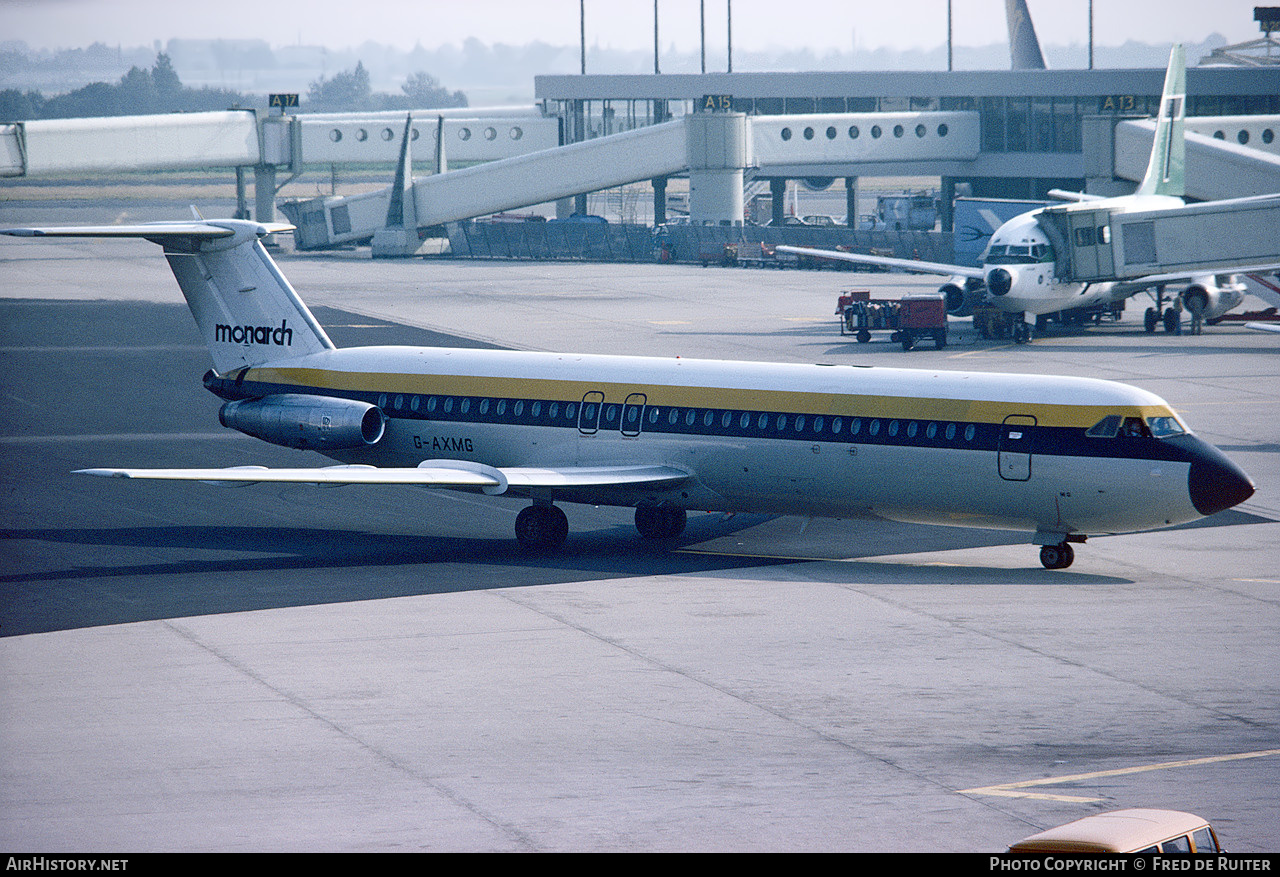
<point>159,90</point>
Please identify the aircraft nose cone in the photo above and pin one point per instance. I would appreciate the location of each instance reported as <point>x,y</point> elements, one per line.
<point>999,281</point>
<point>1215,483</point>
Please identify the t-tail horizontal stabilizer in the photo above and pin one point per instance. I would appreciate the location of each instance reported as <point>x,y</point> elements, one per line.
<point>245,309</point>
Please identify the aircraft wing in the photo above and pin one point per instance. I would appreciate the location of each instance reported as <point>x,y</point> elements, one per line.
<point>1263,327</point>
<point>887,262</point>
<point>454,474</point>
<point>1067,195</point>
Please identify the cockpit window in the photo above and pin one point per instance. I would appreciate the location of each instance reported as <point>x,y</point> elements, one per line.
<point>1018,254</point>
<point>1107,427</point>
<point>1135,427</point>
<point>1163,427</point>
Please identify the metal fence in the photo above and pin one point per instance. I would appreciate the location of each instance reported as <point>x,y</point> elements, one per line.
<point>747,245</point>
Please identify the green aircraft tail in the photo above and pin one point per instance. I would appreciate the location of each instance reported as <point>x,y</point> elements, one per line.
<point>1166,173</point>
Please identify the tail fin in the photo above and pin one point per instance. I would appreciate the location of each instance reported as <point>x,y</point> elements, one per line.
<point>1024,48</point>
<point>244,307</point>
<point>1166,173</point>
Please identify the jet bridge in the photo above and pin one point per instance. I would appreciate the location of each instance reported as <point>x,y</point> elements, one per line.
<point>714,148</point>
<point>1097,244</point>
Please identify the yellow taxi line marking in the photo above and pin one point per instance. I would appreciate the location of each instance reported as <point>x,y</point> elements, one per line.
<point>1014,790</point>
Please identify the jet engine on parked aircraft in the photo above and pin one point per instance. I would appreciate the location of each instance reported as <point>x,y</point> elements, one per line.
<point>311,423</point>
<point>1212,297</point>
<point>963,294</point>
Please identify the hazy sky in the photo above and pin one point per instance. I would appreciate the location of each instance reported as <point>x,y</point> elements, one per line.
<point>618,24</point>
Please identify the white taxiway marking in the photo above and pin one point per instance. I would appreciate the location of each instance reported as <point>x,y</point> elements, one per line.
<point>1015,790</point>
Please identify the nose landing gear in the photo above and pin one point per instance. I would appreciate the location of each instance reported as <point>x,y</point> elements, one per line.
<point>1057,556</point>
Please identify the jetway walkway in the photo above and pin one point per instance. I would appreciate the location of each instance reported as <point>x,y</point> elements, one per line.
<point>1099,244</point>
<point>715,149</point>
<point>1227,156</point>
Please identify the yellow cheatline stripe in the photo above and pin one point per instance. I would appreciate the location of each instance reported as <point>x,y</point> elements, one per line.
<point>1014,790</point>
<point>687,396</point>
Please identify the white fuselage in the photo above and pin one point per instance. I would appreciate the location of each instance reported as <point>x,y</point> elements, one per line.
<point>1021,248</point>
<point>966,449</point>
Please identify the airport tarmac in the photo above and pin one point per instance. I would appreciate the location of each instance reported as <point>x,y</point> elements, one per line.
<point>292,668</point>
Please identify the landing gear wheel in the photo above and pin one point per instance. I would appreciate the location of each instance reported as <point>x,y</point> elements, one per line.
<point>1171,320</point>
<point>660,522</point>
<point>1057,556</point>
<point>541,528</point>
<point>1149,320</point>
<point>1021,333</point>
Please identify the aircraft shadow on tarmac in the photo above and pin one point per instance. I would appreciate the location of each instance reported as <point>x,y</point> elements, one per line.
<point>156,572</point>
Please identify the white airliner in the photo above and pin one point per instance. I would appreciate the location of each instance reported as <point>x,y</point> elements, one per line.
<point>1018,272</point>
<point>1061,458</point>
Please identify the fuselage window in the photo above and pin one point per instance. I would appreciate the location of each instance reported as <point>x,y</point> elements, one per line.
<point>708,418</point>
<point>484,406</point>
<point>414,402</point>
<point>726,419</point>
<point>951,431</point>
<point>763,422</point>
<point>569,411</point>
<point>836,425</point>
<point>893,428</point>
<point>654,414</point>
<point>968,433</point>
<point>448,404</point>
<point>466,405</point>
<point>674,417</point>
<point>502,407</point>
<point>855,426</point>
<point>399,402</point>
<point>799,423</point>
<point>554,410</point>
<point>782,422</point>
<point>535,410</point>
<point>611,414</point>
<point>874,428</point>
<point>518,408</point>
<point>931,430</point>
<point>817,424</point>
<point>911,429</point>
<point>431,403</point>
<point>589,411</point>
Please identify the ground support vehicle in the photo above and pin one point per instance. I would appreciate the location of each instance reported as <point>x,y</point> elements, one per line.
<point>909,319</point>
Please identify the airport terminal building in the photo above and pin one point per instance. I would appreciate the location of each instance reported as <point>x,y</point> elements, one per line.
<point>1037,128</point>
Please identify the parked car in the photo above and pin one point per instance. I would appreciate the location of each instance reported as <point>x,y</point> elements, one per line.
<point>1126,831</point>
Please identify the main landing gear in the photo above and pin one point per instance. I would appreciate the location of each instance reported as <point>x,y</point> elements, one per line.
<point>543,527</point>
<point>660,521</point>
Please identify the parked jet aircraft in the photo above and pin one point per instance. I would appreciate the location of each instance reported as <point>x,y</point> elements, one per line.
<point>1018,272</point>
<point>1059,457</point>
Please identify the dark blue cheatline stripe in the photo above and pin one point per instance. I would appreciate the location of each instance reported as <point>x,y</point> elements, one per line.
<point>845,429</point>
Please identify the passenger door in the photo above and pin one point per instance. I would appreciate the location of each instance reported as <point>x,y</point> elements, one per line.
<point>1013,452</point>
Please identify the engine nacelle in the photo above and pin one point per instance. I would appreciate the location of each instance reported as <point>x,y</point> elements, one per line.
<point>311,423</point>
<point>963,294</point>
<point>1212,297</point>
